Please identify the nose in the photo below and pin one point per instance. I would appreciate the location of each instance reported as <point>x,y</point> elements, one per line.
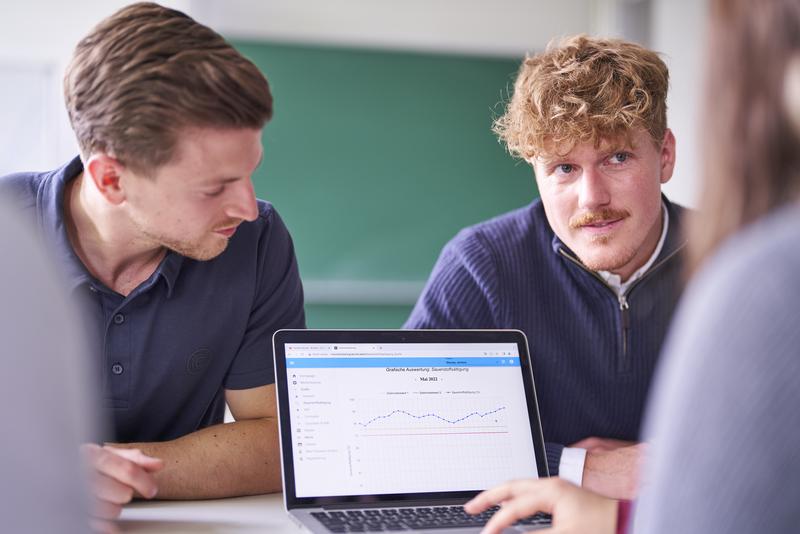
<point>242,204</point>
<point>593,191</point>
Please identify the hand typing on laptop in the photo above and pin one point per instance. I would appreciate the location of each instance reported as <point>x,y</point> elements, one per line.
<point>573,509</point>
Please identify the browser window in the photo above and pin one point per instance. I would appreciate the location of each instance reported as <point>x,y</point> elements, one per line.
<point>407,418</point>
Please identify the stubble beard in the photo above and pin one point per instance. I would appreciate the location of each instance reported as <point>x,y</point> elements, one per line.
<point>608,260</point>
<point>192,250</point>
<point>197,252</point>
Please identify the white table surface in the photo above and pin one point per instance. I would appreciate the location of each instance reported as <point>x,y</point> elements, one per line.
<point>259,513</point>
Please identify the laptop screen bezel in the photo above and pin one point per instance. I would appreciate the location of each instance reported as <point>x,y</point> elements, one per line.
<point>282,337</point>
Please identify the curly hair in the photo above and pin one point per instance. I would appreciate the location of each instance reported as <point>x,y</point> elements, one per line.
<point>583,89</point>
<point>147,72</point>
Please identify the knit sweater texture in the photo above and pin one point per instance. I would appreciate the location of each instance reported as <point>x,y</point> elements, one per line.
<point>593,354</point>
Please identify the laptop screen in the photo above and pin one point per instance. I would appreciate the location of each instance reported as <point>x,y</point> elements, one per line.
<point>379,418</point>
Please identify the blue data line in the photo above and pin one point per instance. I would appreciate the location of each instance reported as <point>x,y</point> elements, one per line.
<point>481,415</point>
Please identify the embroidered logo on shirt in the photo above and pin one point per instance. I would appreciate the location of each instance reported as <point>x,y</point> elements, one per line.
<point>198,361</point>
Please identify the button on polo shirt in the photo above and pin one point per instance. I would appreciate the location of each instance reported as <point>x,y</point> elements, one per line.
<point>118,343</point>
<point>166,352</point>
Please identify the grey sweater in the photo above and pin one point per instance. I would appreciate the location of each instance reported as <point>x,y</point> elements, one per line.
<point>724,421</point>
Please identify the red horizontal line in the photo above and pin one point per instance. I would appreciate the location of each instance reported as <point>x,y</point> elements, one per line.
<point>433,434</point>
<point>440,428</point>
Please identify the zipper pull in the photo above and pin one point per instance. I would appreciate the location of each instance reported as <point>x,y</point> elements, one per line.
<point>623,308</point>
<point>626,324</point>
<point>623,304</point>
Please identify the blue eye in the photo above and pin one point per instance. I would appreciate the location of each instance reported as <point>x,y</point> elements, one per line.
<point>620,157</point>
<point>565,168</point>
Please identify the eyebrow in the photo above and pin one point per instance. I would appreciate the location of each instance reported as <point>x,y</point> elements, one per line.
<point>224,181</point>
<point>549,162</point>
<point>622,147</point>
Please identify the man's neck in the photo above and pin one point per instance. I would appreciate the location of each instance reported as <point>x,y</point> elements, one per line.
<point>105,240</point>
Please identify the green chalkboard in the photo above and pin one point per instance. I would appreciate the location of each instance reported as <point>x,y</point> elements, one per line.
<point>375,159</point>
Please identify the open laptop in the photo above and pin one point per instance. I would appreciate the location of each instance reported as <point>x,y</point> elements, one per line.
<point>391,430</point>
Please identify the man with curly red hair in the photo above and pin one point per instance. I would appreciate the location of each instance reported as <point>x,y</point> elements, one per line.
<point>591,270</point>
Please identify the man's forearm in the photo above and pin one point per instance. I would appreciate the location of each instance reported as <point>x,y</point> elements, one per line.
<point>240,458</point>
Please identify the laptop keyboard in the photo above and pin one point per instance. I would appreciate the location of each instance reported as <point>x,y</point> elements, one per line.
<point>397,519</point>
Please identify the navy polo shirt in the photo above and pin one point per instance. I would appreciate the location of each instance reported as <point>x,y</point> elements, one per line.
<point>166,352</point>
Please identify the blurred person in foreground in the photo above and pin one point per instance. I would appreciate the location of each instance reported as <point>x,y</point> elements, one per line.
<point>181,273</point>
<point>44,389</point>
<point>725,442</point>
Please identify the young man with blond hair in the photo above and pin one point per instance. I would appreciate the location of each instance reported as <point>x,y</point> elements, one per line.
<point>591,270</point>
<point>183,275</point>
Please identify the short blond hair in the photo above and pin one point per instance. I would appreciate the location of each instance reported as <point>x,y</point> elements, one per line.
<point>584,89</point>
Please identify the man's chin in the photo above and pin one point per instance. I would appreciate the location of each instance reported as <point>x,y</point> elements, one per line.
<point>204,256</point>
<point>200,253</point>
<point>608,261</point>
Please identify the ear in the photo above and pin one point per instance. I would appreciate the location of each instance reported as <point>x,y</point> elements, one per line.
<point>105,171</point>
<point>667,156</point>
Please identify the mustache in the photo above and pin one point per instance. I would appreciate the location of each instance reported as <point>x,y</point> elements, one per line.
<point>592,217</point>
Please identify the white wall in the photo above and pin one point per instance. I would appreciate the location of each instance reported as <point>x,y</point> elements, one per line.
<point>478,27</point>
<point>679,29</point>
<point>36,41</point>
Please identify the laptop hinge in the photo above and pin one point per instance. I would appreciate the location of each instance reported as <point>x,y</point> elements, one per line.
<point>394,504</point>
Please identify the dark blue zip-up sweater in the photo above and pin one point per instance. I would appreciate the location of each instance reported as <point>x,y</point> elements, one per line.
<point>592,359</point>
